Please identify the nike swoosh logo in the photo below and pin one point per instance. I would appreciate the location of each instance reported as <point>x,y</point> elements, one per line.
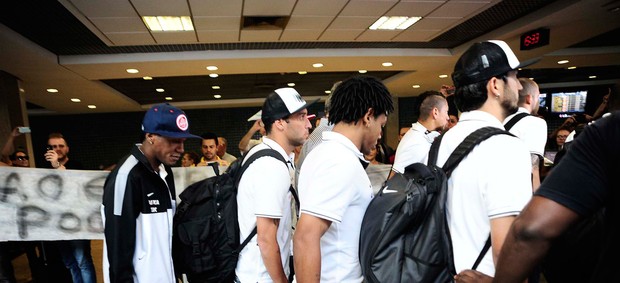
<point>387,191</point>
<point>149,194</point>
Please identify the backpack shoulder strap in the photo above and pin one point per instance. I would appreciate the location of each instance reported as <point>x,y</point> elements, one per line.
<point>514,120</point>
<point>465,147</point>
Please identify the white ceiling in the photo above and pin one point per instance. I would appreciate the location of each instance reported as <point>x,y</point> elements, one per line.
<point>117,23</point>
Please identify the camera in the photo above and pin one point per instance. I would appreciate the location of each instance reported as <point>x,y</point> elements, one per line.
<point>49,147</point>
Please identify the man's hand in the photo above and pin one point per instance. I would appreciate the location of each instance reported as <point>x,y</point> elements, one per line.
<point>469,275</point>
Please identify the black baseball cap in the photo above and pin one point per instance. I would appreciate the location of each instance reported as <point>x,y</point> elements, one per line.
<point>281,103</point>
<point>485,60</point>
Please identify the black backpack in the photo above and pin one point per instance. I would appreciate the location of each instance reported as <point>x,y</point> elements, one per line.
<point>205,240</point>
<point>405,235</point>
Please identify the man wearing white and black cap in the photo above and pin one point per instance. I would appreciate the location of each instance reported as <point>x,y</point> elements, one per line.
<point>488,189</point>
<point>264,199</point>
<point>139,203</point>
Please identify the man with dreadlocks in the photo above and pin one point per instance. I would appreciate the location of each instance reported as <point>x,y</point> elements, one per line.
<point>334,189</point>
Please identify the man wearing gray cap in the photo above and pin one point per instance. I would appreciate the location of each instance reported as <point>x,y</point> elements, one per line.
<point>265,195</point>
<point>139,201</point>
<point>488,189</point>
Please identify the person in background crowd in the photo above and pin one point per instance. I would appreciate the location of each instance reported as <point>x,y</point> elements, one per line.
<point>209,150</point>
<point>10,156</point>
<point>452,122</point>
<point>417,141</point>
<point>371,157</point>
<point>401,133</point>
<point>190,159</point>
<point>246,141</point>
<point>222,146</point>
<point>488,189</point>
<point>138,201</point>
<point>334,189</point>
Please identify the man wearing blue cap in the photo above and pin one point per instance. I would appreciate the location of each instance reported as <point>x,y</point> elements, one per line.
<point>139,201</point>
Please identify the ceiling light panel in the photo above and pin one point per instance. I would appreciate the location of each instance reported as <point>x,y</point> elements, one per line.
<point>168,23</point>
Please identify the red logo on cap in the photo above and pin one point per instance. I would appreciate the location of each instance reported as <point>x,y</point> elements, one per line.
<point>182,122</point>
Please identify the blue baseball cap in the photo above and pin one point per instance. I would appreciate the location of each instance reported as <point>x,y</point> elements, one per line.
<point>168,121</point>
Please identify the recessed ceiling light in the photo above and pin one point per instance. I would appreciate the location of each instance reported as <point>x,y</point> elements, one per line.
<point>76,100</point>
<point>217,96</point>
<point>212,68</point>
<point>395,22</point>
<point>563,62</point>
<point>92,106</point>
<point>328,91</point>
<point>531,79</point>
<point>159,90</point>
<point>592,77</point>
<point>443,76</point>
<point>21,90</point>
<point>168,23</point>
<point>302,72</point>
<point>132,71</point>
<point>52,90</point>
<point>416,86</point>
<point>572,67</point>
<point>168,98</point>
<point>290,84</point>
<point>317,65</point>
<point>387,64</point>
<point>215,87</point>
<point>214,75</point>
<point>147,78</point>
<point>363,71</point>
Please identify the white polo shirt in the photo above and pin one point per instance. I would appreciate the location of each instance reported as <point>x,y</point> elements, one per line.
<point>531,130</point>
<point>491,182</point>
<point>264,192</point>
<point>413,147</point>
<point>334,186</point>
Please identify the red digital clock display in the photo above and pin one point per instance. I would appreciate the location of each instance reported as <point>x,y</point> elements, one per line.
<point>534,39</point>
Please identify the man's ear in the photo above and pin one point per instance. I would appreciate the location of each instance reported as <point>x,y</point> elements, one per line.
<point>528,99</point>
<point>435,112</point>
<point>493,87</point>
<point>368,116</point>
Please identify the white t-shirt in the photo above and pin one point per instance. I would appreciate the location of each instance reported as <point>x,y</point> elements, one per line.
<point>264,192</point>
<point>334,186</point>
<point>491,182</point>
<point>531,130</point>
<point>413,147</point>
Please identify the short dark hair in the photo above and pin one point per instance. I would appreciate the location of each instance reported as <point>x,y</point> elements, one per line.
<point>210,136</point>
<point>473,96</point>
<point>194,156</point>
<point>354,96</point>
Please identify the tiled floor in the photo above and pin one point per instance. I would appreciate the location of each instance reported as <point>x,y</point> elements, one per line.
<point>22,271</point>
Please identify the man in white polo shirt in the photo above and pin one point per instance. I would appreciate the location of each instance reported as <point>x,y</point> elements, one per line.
<point>264,198</point>
<point>488,189</point>
<point>418,140</point>
<point>334,189</point>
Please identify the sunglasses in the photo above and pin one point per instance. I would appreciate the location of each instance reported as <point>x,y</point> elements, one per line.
<point>21,158</point>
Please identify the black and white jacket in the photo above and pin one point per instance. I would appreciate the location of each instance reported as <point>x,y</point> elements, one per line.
<point>137,211</point>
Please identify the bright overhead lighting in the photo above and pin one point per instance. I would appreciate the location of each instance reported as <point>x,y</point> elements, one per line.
<point>416,86</point>
<point>317,65</point>
<point>92,106</point>
<point>76,100</point>
<point>563,62</point>
<point>393,23</point>
<point>572,67</point>
<point>159,90</point>
<point>212,68</point>
<point>328,91</point>
<point>52,90</point>
<point>302,72</point>
<point>168,98</point>
<point>592,77</point>
<point>290,84</point>
<point>214,75</point>
<point>443,76</point>
<point>217,96</point>
<point>132,71</point>
<point>168,23</point>
<point>22,90</point>
<point>531,79</point>
<point>387,64</point>
<point>147,78</point>
<point>215,87</point>
<point>363,71</point>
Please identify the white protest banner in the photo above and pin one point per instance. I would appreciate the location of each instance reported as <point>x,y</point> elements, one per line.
<point>48,204</point>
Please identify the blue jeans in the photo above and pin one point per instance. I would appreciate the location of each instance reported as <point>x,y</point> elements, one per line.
<point>76,257</point>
